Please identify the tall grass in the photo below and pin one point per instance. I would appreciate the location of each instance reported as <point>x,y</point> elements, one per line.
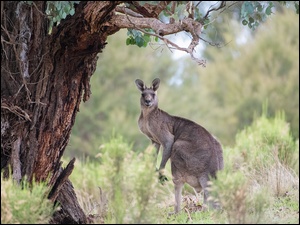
<point>25,203</point>
<point>268,141</point>
<point>259,184</point>
<point>128,182</point>
<point>260,169</point>
<point>260,176</point>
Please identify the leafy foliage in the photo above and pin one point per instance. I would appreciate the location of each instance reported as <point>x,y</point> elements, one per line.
<point>254,12</point>
<point>138,38</point>
<point>58,10</point>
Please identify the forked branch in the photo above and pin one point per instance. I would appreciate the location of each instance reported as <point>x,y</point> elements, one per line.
<point>145,17</point>
<point>161,29</point>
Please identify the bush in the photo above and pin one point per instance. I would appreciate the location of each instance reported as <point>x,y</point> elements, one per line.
<point>257,170</point>
<point>27,204</point>
<point>130,191</point>
<point>130,182</point>
<point>266,141</point>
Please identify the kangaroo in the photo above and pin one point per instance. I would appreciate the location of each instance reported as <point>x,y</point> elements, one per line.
<point>195,154</point>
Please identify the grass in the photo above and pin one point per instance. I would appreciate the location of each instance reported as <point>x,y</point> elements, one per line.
<point>259,184</point>
<point>25,203</point>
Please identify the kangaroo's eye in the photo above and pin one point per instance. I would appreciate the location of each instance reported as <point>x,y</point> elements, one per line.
<point>153,95</point>
<point>143,95</point>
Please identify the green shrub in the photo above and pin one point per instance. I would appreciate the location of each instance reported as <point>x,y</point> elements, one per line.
<point>25,204</point>
<point>119,185</point>
<point>257,170</point>
<point>268,154</point>
<point>232,193</point>
<point>85,179</point>
<point>252,180</point>
<point>266,141</point>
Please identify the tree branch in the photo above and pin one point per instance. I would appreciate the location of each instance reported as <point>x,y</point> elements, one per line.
<point>149,10</point>
<point>222,5</point>
<point>161,29</point>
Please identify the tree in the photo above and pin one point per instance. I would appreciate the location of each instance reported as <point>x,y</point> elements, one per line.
<point>49,52</point>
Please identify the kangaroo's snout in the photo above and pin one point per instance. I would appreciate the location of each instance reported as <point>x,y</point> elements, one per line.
<point>148,99</point>
<point>147,102</point>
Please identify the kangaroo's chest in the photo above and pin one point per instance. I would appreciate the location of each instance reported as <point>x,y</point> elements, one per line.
<point>150,128</point>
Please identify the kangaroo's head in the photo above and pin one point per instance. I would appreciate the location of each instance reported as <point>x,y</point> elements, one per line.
<point>148,96</point>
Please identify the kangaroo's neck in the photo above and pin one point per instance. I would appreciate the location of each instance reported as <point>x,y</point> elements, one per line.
<point>146,111</point>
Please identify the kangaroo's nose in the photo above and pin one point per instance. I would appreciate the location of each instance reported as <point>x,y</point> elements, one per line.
<point>147,101</point>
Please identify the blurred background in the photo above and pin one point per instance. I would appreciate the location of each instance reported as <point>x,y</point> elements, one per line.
<point>251,69</point>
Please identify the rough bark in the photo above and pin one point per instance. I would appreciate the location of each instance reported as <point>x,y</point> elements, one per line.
<point>43,79</point>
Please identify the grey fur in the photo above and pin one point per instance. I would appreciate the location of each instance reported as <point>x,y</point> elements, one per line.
<point>195,154</point>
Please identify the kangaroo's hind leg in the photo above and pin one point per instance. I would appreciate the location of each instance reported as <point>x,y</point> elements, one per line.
<point>178,186</point>
<point>203,179</point>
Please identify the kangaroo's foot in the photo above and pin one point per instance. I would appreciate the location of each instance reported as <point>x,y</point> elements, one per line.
<point>162,177</point>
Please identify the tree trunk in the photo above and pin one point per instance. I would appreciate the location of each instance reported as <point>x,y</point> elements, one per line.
<point>43,78</point>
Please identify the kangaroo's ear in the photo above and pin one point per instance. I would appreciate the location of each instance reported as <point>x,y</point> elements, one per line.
<point>155,84</point>
<point>140,84</point>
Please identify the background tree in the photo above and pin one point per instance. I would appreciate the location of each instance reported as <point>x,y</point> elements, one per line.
<point>223,95</point>
<point>49,52</point>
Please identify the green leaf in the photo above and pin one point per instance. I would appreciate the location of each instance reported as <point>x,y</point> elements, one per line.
<point>132,41</point>
<point>297,7</point>
<point>72,11</point>
<point>128,41</point>
<point>139,41</point>
<point>57,5</point>
<point>259,8</point>
<point>64,15</point>
<point>147,38</point>
<point>251,20</point>
<point>134,32</point>
<point>180,12</point>
<point>247,8</point>
<point>197,14</point>
<point>269,9</point>
<point>258,17</point>
<point>244,22</point>
<point>58,18</point>
<point>29,2</point>
<point>129,31</point>
<point>67,8</point>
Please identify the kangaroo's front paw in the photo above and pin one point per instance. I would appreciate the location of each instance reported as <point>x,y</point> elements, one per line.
<point>162,178</point>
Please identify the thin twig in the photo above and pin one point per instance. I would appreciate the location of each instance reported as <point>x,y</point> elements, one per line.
<point>189,215</point>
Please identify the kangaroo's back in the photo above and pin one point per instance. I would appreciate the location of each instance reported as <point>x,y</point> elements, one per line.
<point>194,149</point>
